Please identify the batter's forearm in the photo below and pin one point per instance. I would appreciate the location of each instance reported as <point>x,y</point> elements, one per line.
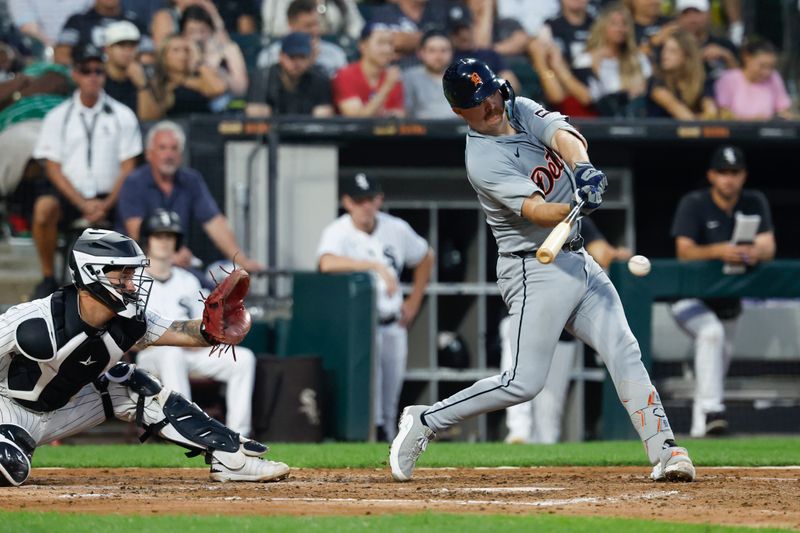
<point>570,147</point>
<point>544,214</point>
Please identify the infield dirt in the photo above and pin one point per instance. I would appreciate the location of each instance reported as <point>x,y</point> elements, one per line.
<point>733,496</point>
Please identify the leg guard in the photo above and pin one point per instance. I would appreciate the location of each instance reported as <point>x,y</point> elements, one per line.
<point>16,450</point>
<point>647,414</point>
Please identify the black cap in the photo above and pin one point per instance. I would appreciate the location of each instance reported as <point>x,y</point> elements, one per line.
<point>458,17</point>
<point>296,44</point>
<point>728,158</point>
<point>84,52</point>
<point>361,186</point>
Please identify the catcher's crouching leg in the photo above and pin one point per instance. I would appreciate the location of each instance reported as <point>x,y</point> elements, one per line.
<point>16,450</point>
<point>137,395</point>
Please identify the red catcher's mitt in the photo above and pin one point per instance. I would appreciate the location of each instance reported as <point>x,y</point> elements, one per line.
<point>225,319</point>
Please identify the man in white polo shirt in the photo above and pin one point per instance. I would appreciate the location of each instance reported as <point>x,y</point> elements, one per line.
<point>89,144</point>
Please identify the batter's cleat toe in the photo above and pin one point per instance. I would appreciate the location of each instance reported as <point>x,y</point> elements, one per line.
<point>254,469</point>
<point>674,465</point>
<point>411,440</point>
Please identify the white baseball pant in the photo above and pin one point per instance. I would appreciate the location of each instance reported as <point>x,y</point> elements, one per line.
<point>389,372</point>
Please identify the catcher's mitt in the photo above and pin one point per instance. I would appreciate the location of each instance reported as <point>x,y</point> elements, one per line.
<point>225,319</point>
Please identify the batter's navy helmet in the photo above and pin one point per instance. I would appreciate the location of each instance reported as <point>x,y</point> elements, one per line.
<point>468,82</point>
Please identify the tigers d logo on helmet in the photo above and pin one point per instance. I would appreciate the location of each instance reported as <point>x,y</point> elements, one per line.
<point>476,80</point>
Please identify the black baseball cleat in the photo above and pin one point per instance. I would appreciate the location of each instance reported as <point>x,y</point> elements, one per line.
<point>716,424</point>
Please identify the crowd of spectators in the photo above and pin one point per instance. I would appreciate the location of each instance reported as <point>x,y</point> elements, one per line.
<point>167,59</point>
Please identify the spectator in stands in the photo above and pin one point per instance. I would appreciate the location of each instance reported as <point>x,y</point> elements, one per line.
<point>560,58</point>
<point>176,294</point>
<point>145,9</point>
<point>371,87</point>
<point>293,86</point>
<point>202,25</point>
<point>11,61</point>
<point>163,183</point>
<point>518,21</point>
<point>679,88</point>
<point>43,19</point>
<point>462,33</point>
<point>756,91</point>
<point>336,18</point>
<point>719,54</point>
<point>410,19</point>
<point>125,76</point>
<point>703,228</point>
<point>24,101</point>
<point>619,70</point>
<point>167,20</point>
<point>89,144</point>
<point>651,27</point>
<point>89,27</point>
<point>181,84</point>
<point>422,84</point>
<point>239,16</point>
<point>302,17</point>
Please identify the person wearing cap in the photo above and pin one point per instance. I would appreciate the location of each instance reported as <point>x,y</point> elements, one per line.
<point>364,239</point>
<point>719,54</point>
<point>703,228</point>
<point>89,27</point>
<point>89,143</point>
<point>371,86</point>
<point>302,17</point>
<point>293,86</point>
<point>125,77</point>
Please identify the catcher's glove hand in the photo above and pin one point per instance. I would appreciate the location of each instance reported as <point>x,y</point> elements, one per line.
<point>225,319</point>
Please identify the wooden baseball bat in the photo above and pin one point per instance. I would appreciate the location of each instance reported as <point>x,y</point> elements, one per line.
<point>549,249</point>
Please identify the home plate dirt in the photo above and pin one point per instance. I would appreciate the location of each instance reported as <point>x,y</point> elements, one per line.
<point>735,496</point>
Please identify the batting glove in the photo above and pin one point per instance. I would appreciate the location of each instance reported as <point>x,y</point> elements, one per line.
<point>591,197</point>
<point>586,174</point>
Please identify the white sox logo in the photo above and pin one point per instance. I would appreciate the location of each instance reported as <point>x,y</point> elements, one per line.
<point>545,177</point>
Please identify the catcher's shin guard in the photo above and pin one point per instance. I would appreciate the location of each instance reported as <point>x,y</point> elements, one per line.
<point>16,450</point>
<point>643,404</point>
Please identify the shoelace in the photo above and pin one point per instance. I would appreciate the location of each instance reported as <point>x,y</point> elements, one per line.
<point>420,446</point>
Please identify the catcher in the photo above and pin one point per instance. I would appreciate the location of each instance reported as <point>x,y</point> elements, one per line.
<point>60,372</point>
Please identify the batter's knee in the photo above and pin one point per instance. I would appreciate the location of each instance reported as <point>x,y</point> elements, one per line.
<point>16,451</point>
<point>526,388</point>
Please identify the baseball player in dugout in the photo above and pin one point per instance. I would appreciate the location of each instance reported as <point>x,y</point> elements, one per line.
<point>175,295</point>
<point>703,229</point>
<point>530,169</point>
<point>366,239</point>
<point>61,373</point>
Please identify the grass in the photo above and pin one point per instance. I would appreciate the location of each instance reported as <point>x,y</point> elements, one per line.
<point>440,523</point>
<point>756,451</point>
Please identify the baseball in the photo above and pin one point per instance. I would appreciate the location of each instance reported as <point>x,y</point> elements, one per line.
<point>639,265</point>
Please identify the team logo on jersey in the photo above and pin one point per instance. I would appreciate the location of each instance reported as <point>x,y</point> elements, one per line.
<point>476,80</point>
<point>545,177</point>
<point>89,361</point>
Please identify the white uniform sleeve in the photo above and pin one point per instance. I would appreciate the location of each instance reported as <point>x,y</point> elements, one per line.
<point>9,322</point>
<point>500,180</point>
<point>415,248</point>
<point>156,326</point>
<point>332,241</point>
<point>192,294</point>
<point>48,145</point>
<point>130,137</point>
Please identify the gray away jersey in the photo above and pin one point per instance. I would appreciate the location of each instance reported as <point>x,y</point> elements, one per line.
<point>505,170</point>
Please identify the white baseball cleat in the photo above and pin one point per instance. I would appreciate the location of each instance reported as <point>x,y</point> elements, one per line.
<point>674,465</point>
<point>254,469</point>
<point>411,440</point>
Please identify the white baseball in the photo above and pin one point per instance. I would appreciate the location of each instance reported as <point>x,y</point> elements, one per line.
<point>639,265</point>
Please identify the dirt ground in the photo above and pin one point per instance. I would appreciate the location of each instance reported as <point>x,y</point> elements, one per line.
<point>735,496</point>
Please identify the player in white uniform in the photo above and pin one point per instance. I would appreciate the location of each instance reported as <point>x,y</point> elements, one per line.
<point>366,239</point>
<point>528,167</point>
<point>176,295</point>
<point>60,372</point>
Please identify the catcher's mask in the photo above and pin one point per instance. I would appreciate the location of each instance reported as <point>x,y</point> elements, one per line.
<point>468,82</point>
<point>111,267</point>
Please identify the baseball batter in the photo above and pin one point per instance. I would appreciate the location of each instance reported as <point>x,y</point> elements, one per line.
<point>365,239</point>
<point>60,372</point>
<point>176,294</point>
<point>528,167</point>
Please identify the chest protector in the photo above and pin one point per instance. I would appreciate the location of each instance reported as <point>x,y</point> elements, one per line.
<point>55,359</point>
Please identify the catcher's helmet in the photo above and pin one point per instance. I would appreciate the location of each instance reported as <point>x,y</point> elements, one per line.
<point>468,82</point>
<point>94,254</point>
<point>162,221</point>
